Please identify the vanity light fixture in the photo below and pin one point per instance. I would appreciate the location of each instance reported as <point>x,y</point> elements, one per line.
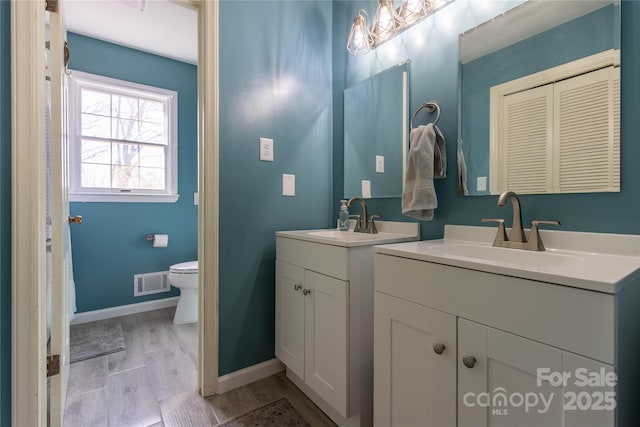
<point>388,22</point>
<point>360,41</point>
<point>412,11</point>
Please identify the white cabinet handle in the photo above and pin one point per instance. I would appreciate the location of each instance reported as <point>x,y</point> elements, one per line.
<point>469,361</point>
<point>306,291</point>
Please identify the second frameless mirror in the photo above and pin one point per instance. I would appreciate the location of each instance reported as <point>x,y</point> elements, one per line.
<point>376,134</point>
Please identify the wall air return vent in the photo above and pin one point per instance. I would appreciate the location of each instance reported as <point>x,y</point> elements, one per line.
<point>151,283</point>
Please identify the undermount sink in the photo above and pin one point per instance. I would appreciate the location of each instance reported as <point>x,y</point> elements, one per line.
<point>531,259</point>
<point>346,235</point>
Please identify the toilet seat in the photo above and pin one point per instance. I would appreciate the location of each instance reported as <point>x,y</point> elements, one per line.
<point>189,267</point>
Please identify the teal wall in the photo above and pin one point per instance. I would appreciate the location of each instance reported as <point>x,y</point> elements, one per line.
<point>587,35</point>
<point>110,247</point>
<point>5,217</point>
<point>275,81</point>
<point>432,48</point>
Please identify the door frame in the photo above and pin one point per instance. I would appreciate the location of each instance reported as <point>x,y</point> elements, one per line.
<point>28,282</point>
<point>28,266</point>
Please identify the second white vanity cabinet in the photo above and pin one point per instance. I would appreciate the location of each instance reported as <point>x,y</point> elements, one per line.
<point>466,334</point>
<point>311,330</point>
<point>324,315</point>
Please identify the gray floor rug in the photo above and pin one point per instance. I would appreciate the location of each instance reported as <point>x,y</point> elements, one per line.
<point>279,413</point>
<point>89,340</point>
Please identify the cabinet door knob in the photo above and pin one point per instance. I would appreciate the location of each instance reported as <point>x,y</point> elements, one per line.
<point>306,291</point>
<point>297,287</point>
<point>469,361</point>
<point>439,348</point>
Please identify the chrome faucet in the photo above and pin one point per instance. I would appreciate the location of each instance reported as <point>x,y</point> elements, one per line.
<point>517,238</point>
<point>517,233</point>
<point>364,223</point>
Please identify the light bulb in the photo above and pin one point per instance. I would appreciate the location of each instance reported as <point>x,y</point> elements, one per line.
<point>359,42</point>
<point>386,23</point>
<point>412,11</point>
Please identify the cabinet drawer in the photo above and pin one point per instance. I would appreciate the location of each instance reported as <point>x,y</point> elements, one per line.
<point>573,319</point>
<point>325,259</point>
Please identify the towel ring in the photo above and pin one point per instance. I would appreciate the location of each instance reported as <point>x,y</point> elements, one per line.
<point>430,106</point>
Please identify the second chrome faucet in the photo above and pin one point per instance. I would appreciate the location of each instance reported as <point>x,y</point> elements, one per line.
<point>517,239</point>
<point>364,223</point>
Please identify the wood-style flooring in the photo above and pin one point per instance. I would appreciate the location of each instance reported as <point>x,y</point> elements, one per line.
<point>154,383</point>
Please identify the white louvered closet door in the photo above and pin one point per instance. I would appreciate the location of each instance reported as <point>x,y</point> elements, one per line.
<point>616,130</point>
<point>588,149</point>
<point>527,135</point>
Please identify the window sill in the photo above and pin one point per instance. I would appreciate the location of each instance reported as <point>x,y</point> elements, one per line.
<point>124,198</point>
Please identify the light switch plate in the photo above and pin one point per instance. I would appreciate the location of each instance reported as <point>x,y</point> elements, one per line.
<point>195,198</point>
<point>380,164</point>
<point>288,185</point>
<point>366,189</point>
<point>482,183</point>
<point>266,149</point>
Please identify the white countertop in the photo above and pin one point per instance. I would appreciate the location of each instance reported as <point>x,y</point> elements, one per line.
<point>388,232</point>
<point>594,261</point>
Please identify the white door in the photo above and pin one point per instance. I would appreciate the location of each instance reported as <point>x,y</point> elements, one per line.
<point>495,369</point>
<point>59,219</point>
<point>414,364</point>
<point>325,338</point>
<point>290,317</point>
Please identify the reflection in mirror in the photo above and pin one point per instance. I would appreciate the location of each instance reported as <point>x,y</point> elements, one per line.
<point>539,99</point>
<point>375,134</point>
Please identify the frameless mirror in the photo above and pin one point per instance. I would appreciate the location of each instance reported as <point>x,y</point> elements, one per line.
<point>375,134</point>
<point>535,39</point>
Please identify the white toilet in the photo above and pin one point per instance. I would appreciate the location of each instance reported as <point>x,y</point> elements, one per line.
<point>185,277</point>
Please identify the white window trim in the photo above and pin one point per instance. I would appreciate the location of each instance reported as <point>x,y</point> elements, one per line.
<point>76,194</point>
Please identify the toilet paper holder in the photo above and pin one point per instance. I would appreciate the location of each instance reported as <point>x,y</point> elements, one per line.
<point>158,240</point>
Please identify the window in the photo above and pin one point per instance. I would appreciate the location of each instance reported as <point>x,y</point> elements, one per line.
<point>123,141</point>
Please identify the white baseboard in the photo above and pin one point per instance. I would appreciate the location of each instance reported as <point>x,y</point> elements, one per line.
<point>123,310</point>
<point>248,375</point>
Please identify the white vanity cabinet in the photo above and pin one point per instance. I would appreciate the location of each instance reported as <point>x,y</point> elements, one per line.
<point>464,341</point>
<point>311,330</point>
<point>324,315</point>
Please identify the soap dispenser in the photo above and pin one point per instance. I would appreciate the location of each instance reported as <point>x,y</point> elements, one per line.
<point>343,215</point>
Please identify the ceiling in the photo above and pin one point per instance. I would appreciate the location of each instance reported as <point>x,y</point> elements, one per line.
<point>162,27</point>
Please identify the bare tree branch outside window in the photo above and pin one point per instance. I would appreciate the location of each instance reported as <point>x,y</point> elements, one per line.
<point>124,141</point>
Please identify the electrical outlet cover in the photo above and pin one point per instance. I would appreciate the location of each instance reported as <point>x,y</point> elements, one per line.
<point>379,164</point>
<point>366,189</point>
<point>266,149</point>
<point>482,183</point>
